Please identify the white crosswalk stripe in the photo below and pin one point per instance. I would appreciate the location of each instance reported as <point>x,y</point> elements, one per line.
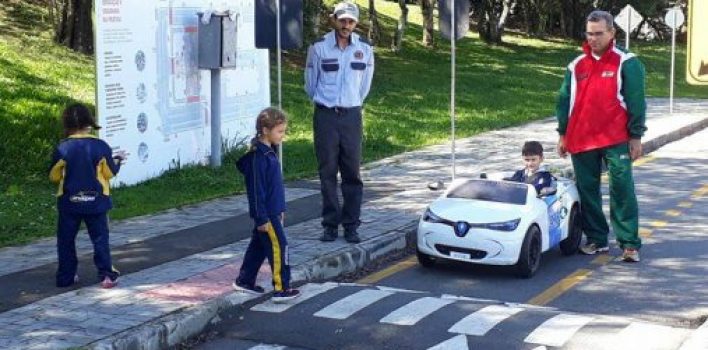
<point>456,343</point>
<point>646,336</point>
<point>480,322</point>
<point>307,291</point>
<point>698,339</point>
<point>415,311</point>
<point>267,347</point>
<point>353,303</point>
<point>557,330</point>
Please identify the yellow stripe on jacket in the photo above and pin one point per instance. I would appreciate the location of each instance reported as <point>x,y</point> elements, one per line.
<point>56,174</point>
<point>103,174</point>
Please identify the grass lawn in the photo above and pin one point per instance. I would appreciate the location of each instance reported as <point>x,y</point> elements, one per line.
<point>407,109</point>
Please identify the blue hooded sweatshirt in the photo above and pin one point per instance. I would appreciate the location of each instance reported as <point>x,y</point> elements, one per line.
<point>264,183</point>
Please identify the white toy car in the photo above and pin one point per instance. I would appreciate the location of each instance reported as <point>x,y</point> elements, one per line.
<point>498,222</point>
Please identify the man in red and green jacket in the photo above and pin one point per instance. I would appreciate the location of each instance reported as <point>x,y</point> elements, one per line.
<point>601,115</point>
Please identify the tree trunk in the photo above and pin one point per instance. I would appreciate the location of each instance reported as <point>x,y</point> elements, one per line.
<point>311,19</point>
<point>488,25</point>
<point>374,29</point>
<point>75,27</point>
<point>401,28</point>
<point>426,7</point>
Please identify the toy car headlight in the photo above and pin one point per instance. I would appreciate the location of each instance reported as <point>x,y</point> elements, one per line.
<point>429,216</point>
<point>510,225</point>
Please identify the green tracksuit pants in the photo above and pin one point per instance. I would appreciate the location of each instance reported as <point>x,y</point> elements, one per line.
<point>624,212</point>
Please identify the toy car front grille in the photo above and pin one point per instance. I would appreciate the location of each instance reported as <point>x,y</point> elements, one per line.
<point>474,253</point>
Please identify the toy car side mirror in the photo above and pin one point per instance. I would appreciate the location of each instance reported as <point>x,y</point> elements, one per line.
<point>547,191</point>
<point>436,186</point>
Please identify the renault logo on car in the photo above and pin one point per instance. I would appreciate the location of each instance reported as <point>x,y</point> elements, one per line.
<point>461,228</point>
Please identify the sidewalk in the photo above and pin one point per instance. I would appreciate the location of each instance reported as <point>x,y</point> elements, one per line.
<point>161,302</point>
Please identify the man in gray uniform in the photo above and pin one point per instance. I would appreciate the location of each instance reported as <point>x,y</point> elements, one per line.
<point>340,66</point>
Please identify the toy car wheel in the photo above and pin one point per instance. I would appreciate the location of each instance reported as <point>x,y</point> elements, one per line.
<point>530,256</point>
<point>425,260</point>
<point>570,244</point>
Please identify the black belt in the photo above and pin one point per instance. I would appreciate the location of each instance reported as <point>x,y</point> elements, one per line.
<point>337,109</point>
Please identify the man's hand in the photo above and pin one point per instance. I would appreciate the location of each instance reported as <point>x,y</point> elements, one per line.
<point>635,148</point>
<point>264,227</point>
<point>562,151</point>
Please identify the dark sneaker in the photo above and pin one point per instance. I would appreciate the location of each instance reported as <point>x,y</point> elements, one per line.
<point>109,283</point>
<point>352,236</point>
<point>73,282</point>
<point>286,295</point>
<point>250,289</point>
<point>329,235</point>
<point>630,255</point>
<point>593,248</point>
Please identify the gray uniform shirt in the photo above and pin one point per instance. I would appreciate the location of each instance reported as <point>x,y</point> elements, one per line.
<point>336,77</point>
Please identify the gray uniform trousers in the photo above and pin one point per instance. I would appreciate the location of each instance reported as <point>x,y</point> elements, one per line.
<point>338,138</point>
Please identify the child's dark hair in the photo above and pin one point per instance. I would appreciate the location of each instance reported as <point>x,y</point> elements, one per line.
<point>76,117</point>
<point>532,148</point>
<point>268,118</point>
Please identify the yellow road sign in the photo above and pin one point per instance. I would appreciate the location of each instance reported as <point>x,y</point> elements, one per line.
<point>697,62</point>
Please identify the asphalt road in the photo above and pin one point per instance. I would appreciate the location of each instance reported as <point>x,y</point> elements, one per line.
<point>583,302</point>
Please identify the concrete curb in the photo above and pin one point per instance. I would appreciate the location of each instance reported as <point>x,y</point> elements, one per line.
<point>655,143</point>
<point>171,329</point>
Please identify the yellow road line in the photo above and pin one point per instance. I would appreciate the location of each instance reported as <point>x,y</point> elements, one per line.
<point>603,259</point>
<point>700,192</point>
<point>658,223</point>
<point>561,287</point>
<point>685,204</point>
<point>672,212</point>
<point>644,232</point>
<point>643,160</point>
<point>377,276</point>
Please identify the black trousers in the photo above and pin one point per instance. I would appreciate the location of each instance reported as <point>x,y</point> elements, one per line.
<point>338,137</point>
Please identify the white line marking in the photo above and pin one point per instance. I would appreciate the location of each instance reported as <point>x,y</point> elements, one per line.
<point>456,343</point>
<point>267,347</point>
<point>480,322</point>
<point>411,313</point>
<point>698,339</point>
<point>306,292</point>
<point>398,290</point>
<point>351,304</point>
<point>557,330</point>
<point>645,336</point>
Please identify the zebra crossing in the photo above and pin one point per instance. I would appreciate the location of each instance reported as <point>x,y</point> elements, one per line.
<point>474,321</point>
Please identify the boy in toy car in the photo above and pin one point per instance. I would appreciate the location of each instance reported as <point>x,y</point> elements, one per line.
<point>532,173</point>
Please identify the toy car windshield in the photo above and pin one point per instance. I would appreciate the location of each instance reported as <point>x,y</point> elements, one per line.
<point>493,191</point>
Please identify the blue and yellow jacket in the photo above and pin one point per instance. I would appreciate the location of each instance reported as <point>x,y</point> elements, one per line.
<point>82,165</point>
<point>264,183</point>
<point>540,179</point>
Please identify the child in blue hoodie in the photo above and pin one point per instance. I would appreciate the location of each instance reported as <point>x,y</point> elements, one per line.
<point>82,165</point>
<point>266,205</point>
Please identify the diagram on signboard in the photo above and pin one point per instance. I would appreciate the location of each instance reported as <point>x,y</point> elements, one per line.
<point>178,77</point>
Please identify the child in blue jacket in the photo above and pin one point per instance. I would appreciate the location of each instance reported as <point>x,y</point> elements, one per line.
<point>533,172</point>
<point>82,165</point>
<point>266,205</point>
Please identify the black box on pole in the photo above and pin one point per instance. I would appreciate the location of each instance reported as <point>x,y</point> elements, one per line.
<point>290,24</point>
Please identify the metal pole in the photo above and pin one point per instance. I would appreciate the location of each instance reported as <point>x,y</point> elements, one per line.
<point>453,38</point>
<point>280,75</point>
<point>215,118</point>
<point>629,25</point>
<point>673,62</point>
